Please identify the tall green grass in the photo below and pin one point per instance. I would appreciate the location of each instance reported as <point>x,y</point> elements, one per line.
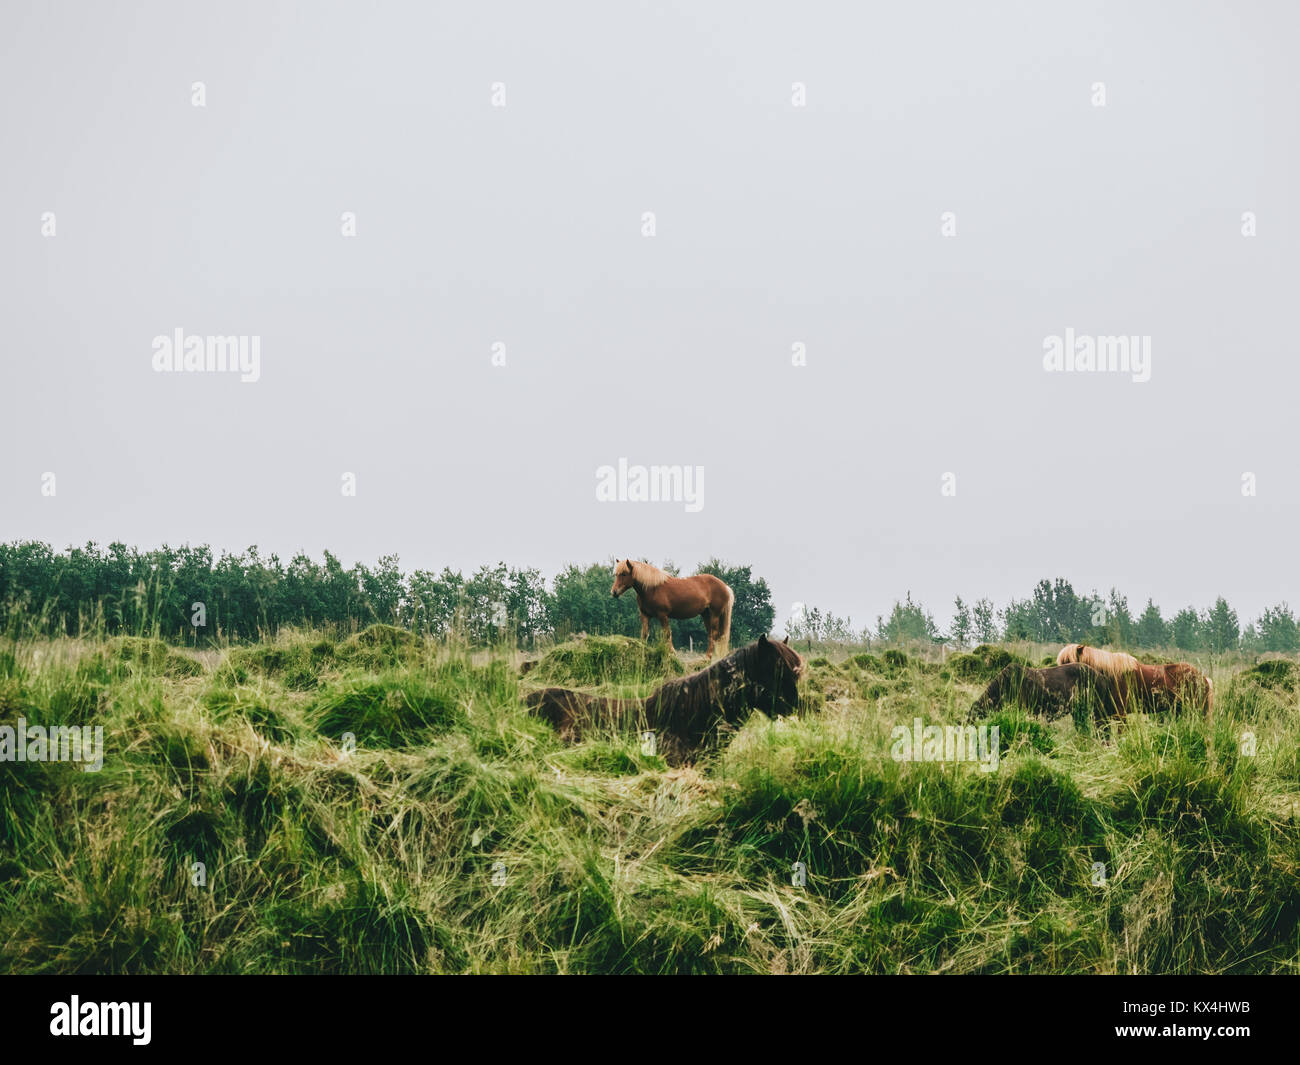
<point>384,804</point>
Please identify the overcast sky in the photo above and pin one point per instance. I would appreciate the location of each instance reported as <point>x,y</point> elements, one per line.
<point>779,219</point>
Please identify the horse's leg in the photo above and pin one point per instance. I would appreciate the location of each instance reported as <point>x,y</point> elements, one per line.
<point>645,626</point>
<point>668,630</point>
<point>708,628</point>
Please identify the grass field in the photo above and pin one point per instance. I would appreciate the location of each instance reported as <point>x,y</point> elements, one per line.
<point>458,835</point>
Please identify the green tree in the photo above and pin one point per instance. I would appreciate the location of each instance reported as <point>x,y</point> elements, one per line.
<point>909,621</point>
<point>1119,626</point>
<point>528,604</point>
<point>485,611</point>
<point>1278,630</point>
<point>1020,620</point>
<point>961,623</point>
<point>984,619</point>
<point>383,589</point>
<point>1151,630</point>
<point>1187,630</point>
<point>1221,628</point>
<point>1058,614</point>
<point>432,601</point>
<point>814,624</point>
<point>581,602</point>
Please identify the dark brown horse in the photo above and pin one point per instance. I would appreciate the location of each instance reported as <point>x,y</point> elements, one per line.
<point>688,713</point>
<point>661,596</point>
<point>1051,691</point>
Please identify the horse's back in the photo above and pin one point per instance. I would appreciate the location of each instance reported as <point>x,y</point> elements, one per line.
<point>688,596</point>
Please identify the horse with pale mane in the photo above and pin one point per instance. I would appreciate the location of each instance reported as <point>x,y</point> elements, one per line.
<point>660,595</point>
<point>1112,662</point>
<point>1167,686</point>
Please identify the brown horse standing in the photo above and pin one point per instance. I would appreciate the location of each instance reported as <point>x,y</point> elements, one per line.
<point>660,596</point>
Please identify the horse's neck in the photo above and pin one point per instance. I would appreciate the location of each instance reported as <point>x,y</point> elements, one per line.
<point>641,590</point>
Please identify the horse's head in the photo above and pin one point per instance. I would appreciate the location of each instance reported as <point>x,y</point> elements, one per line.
<point>622,577</point>
<point>777,683</point>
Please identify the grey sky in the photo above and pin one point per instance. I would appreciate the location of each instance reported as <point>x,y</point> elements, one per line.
<point>775,224</point>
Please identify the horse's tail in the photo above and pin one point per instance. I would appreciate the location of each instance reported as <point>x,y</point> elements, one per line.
<point>724,632</point>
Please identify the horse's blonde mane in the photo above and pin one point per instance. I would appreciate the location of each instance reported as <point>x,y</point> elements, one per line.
<point>646,575</point>
<point>1113,662</point>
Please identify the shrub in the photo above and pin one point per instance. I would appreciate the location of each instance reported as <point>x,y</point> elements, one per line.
<point>596,660</point>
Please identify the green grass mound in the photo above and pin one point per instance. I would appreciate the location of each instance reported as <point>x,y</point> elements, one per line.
<point>889,663</point>
<point>383,636</point>
<point>598,660</point>
<point>904,850</point>
<point>394,710</point>
<point>293,660</point>
<point>895,660</point>
<point>868,663</point>
<point>1274,674</point>
<point>983,663</point>
<point>265,715</point>
<point>382,647</point>
<point>1017,729</point>
<point>1267,689</point>
<point>152,657</point>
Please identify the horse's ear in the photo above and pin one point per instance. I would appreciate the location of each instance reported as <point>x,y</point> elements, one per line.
<point>786,641</point>
<point>762,638</point>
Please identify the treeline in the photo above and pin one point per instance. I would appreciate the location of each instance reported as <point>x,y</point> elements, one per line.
<point>190,593</point>
<point>1055,613</point>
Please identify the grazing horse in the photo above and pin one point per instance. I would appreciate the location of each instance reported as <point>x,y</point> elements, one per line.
<point>688,712</point>
<point>1148,688</point>
<point>661,596</point>
<point>1172,686</point>
<point>1051,691</point>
